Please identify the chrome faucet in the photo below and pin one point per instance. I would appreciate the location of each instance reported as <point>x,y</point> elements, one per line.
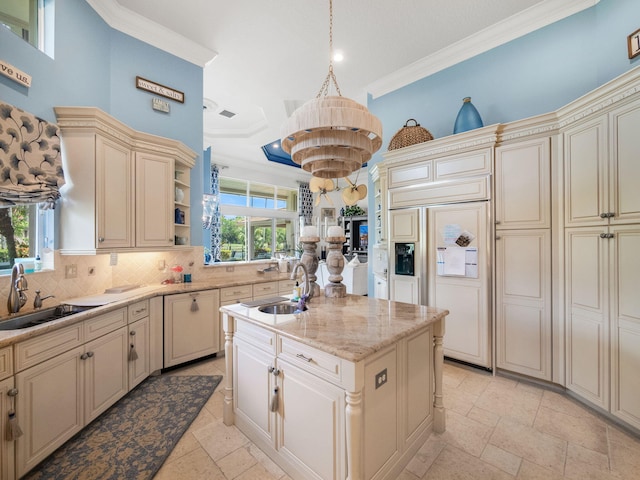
<point>17,297</point>
<point>307,285</point>
<point>37,302</point>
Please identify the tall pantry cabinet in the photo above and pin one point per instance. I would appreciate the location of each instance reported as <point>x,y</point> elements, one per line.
<point>602,264</point>
<point>523,257</point>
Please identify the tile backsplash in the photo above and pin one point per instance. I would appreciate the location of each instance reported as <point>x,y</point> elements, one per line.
<point>94,274</point>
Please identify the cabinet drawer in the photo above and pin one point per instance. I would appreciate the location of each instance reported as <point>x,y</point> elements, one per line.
<point>310,359</point>
<point>261,290</point>
<point>285,287</point>
<point>410,174</point>
<point>6,362</point>
<point>138,310</point>
<point>38,349</point>
<point>256,336</point>
<point>241,292</point>
<point>96,327</point>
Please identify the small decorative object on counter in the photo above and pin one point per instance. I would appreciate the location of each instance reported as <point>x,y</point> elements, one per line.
<point>468,117</point>
<point>409,135</point>
<point>177,273</point>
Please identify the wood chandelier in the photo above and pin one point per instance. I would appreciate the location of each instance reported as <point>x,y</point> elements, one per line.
<point>331,136</point>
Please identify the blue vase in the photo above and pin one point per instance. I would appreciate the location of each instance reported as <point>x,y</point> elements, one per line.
<point>468,117</point>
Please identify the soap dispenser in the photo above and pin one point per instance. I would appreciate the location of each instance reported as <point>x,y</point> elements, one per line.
<point>296,292</point>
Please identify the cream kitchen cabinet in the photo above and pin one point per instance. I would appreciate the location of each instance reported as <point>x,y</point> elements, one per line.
<point>602,168</point>
<point>603,315</point>
<point>191,326</point>
<point>523,258</point>
<point>154,205</point>
<point>139,335</point>
<point>379,180</point>
<point>7,398</point>
<point>275,397</point>
<point>404,289</point>
<point>65,379</point>
<point>303,406</point>
<point>120,184</point>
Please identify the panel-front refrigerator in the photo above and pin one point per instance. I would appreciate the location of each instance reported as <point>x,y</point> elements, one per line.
<point>459,277</point>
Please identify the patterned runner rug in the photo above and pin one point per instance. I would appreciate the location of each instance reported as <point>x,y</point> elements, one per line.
<point>133,438</point>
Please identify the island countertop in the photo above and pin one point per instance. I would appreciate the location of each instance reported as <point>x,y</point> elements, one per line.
<point>351,328</point>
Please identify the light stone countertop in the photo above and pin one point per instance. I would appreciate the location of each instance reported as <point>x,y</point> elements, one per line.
<point>351,328</point>
<point>10,337</point>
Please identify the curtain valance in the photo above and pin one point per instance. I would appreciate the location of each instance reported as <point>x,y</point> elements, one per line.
<point>30,159</point>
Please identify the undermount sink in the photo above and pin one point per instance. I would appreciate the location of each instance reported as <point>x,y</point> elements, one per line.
<point>280,308</point>
<point>41,316</point>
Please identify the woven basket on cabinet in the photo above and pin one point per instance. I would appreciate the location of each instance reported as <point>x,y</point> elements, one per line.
<point>409,135</point>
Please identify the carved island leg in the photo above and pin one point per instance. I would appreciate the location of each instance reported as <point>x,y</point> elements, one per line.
<point>439,417</point>
<point>227,411</point>
<point>353,413</point>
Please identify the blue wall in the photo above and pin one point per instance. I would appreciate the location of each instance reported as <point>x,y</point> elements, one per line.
<point>95,65</point>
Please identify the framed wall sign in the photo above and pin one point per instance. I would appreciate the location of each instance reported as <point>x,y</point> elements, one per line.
<point>149,86</point>
<point>633,43</point>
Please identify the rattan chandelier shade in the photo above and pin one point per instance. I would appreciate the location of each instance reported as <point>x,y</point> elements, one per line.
<point>331,136</point>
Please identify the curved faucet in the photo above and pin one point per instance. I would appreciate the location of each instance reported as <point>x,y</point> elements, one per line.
<point>307,285</point>
<point>17,297</point>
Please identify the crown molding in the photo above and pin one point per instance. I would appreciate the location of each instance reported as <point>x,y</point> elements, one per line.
<point>145,30</point>
<point>518,25</point>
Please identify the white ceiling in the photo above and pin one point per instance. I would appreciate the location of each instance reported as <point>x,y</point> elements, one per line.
<point>263,57</point>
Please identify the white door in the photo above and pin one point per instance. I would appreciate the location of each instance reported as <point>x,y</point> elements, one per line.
<point>466,296</point>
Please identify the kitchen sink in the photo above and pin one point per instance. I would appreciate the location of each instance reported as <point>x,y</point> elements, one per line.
<point>280,308</point>
<point>41,316</point>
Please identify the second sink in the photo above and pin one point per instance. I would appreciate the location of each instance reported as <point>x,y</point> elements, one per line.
<point>279,308</point>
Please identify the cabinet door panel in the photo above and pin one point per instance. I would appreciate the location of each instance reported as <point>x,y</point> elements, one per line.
<point>253,388</point>
<point>523,302</point>
<point>404,289</point>
<point>404,225</point>
<point>114,195</point>
<point>625,144</point>
<point>523,190</point>
<point>139,337</point>
<point>313,442</point>
<point>587,314</point>
<point>190,332</point>
<point>7,448</point>
<point>154,201</point>
<point>625,318</point>
<point>105,372</point>
<point>586,182</point>
<point>50,406</point>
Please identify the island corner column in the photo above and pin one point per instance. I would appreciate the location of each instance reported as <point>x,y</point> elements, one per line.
<point>439,415</point>
<point>227,409</point>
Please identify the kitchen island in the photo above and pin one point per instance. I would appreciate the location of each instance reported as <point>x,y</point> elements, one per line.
<point>348,389</point>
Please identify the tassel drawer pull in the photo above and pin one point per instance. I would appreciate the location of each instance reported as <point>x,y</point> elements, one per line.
<point>273,404</point>
<point>133,355</point>
<point>194,305</point>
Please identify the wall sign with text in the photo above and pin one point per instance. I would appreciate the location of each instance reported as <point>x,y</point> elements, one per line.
<point>149,86</point>
<point>633,43</point>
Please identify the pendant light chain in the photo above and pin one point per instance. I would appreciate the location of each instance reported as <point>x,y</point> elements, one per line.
<point>331,77</point>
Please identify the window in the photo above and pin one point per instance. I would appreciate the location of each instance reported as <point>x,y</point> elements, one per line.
<point>258,220</point>
<point>25,232</point>
<point>31,20</point>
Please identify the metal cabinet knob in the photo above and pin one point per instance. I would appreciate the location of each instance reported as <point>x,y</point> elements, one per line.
<point>100,239</point>
<point>132,333</point>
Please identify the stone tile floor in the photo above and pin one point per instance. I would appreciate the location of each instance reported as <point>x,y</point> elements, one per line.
<point>497,428</point>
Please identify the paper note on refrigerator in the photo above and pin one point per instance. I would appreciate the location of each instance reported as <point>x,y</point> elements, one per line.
<point>457,261</point>
<point>454,260</point>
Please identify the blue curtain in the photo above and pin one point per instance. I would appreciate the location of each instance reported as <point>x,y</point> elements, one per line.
<point>305,203</point>
<point>216,221</point>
